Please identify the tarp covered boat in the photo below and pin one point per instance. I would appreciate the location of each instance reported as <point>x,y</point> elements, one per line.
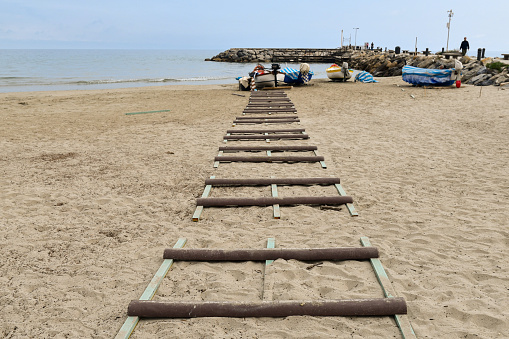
<point>432,77</point>
<point>364,77</point>
<point>297,77</point>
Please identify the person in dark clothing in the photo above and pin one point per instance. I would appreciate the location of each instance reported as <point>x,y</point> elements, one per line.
<point>464,46</point>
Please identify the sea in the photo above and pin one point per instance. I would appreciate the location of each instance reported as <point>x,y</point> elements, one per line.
<point>27,70</point>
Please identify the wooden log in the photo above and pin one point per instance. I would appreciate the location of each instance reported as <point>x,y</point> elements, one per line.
<point>269,159</point>
<point>267,148</point>
<point>269,136</point>
<point>266,110</point>
<point>245,131</point>
<point>303,254</point>
<point>265,201</point>
<point>262,94</point>
<point>264,121</point>
<point>266,117</point>
<point>270,181</point>
<point>240,309</point>
<point>275,88</point>
<point>264,104</point>
<point>270,100</point>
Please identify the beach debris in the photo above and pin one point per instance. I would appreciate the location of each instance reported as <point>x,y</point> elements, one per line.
<point>133,113</point>
<point>412,96</point>
<point>239,95</point>
<point>314,265</point>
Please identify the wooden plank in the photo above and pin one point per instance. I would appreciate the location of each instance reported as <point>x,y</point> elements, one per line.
<point>277,213</point>
<point>164,110</point>
<point>322,163</point>
<point>271,243</point>
<point>199,209</point>
<point>130,324</point>
<point>349,206</point>
<point>216,163</point>
<point>276,88</point>
<point>268,279</point>
<point>401,320</point>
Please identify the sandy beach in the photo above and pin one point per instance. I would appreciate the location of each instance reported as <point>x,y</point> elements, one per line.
<point>90,197</point>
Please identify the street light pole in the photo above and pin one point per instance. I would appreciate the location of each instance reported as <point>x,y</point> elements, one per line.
<point>356,37</point>
<point>449,28</point>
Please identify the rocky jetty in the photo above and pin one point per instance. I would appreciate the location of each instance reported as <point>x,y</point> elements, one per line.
<point>279,55</point>
<point>378,63</point>
<point>390,64</point>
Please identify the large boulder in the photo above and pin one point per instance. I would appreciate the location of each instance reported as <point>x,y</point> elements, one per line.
<point>478,79</point>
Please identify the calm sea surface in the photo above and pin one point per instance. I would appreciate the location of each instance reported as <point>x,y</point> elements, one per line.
<point>48,70</point>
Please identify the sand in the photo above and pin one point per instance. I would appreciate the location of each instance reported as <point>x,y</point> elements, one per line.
<point>90,198</point>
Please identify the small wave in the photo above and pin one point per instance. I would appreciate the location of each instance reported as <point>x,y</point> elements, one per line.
<point>120,81</point>
<point>107,81</point>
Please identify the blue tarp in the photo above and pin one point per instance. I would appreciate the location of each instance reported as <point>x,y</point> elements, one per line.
<point>425,76</point>
<point>364,77</point>
<point>293,75</point>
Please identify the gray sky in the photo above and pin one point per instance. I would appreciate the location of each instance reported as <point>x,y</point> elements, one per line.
<point>219,25</point>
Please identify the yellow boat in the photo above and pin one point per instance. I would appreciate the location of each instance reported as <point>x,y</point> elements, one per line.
<point>337,73</point>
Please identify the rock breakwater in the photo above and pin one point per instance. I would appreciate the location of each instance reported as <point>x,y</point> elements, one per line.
<point>279,55</point>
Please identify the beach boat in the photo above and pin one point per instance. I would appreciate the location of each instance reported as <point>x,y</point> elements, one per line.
<point>433,77</point>
<point>293,76</point>
<point>337,73</point>
<point>265,78</point>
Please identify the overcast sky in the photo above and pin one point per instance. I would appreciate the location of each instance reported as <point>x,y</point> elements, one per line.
<point>223,24</point>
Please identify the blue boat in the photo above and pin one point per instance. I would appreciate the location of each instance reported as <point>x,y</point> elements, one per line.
<point>297,77</point>
<point>432,77</point>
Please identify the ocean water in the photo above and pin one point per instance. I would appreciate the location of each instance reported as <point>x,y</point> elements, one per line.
<point>48,70</point>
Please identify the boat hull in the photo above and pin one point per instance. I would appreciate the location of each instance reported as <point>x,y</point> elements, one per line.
<point>267,80</point>
<point>430,77</point>
<point>337,73</point>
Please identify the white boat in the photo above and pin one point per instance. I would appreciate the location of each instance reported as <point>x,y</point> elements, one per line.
<point>267,80</point>
<point>337,73</point>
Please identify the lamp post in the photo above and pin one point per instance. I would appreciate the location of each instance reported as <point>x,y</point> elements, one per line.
<point>449,28</point>
<point>356,37</point>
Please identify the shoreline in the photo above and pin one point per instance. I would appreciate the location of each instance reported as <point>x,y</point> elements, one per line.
<point>91,197</point>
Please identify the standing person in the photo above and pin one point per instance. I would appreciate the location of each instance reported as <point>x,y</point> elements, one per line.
<point>464,46</point>
<point>372,45</point>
